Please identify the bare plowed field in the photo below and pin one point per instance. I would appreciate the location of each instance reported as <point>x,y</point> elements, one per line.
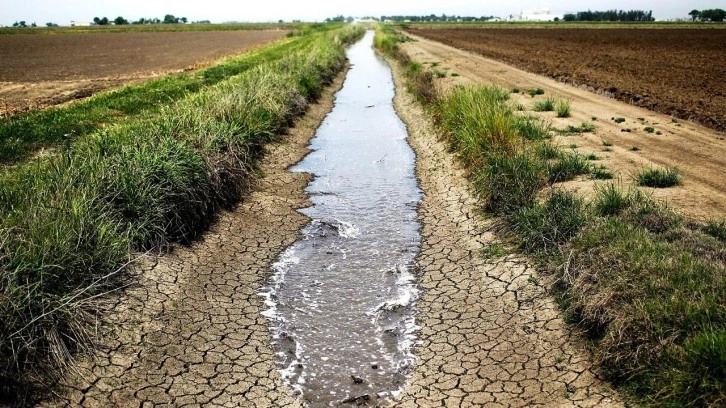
<point>43,70</point>
<point>678,72</point>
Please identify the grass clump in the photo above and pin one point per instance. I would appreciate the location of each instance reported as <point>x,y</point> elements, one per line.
<point>70,221</point>
<point>509,181</point>
<point>547,226</point>
<point>535,91</point>
<point>532,128</point>
<point>585,127</point>
<point>544,105</point>
<point>601,173</point>
<point>478,122</point>
<point>658,178</point>
<point>566,167</point>
<point>716,229</point>
<point>618,120</point>
<point>610,200</point>
<point>563,108</point>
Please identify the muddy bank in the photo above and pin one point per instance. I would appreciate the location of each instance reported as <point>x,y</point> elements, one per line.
<point>191,330</point>
<point>490,334</point>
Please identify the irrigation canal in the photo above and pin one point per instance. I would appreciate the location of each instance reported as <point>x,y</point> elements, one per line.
<point>341,299</point>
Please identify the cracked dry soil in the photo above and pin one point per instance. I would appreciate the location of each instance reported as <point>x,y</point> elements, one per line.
<point>190,332</point>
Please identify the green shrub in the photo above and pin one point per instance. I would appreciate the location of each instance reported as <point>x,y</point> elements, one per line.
<point>659,178</point>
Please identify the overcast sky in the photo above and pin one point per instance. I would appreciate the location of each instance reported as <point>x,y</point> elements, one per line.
<point>63,11</point>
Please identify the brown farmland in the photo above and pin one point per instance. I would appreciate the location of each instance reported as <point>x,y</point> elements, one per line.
<point>678,72</point>
<point>42,70</point>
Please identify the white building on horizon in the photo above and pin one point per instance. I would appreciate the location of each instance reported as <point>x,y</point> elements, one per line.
<point>543,14</point>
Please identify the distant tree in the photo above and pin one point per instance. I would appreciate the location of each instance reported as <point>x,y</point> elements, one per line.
<point>120,21</point>
<point>349,20</point>
<point>170,19</point>
<point>33,25</point>
<point>183,20</point>
<point>569,17</point>
<point>51,24</point>
<point>715,15</point>
<point>694,14</point>
<point>100,21</point>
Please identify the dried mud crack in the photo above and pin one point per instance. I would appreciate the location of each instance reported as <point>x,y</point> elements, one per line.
<point>190,332</point>
<point>490,334</point>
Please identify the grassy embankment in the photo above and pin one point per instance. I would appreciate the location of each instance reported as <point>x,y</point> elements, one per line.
<point>647,287</point>
<point>25,133</point>
<point>71,222</point>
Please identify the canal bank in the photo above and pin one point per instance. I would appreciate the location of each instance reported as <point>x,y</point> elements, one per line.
<point>489,333</point>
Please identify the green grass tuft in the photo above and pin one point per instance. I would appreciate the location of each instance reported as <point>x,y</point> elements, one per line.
<point>547,226</point>
<point>567,166</point>
<point>563,108</point>
<point>544,105</point>
<point>659,178</point>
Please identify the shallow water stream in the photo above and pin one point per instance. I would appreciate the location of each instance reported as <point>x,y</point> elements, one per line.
<point>341,299</point>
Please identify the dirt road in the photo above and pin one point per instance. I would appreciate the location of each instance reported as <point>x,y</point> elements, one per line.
<point>697,152</point>
<point>675,71</point>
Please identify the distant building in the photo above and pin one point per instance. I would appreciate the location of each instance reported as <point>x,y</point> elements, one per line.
<point>543,14</point>
<point>80,24</point>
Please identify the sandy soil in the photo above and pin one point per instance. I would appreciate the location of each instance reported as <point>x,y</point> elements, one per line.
<point>191,330</point>
<point>490,334</point>
<point>37,71</point>
<point>698,152</point>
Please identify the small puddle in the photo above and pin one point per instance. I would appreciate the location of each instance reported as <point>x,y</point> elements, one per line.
<point>341,300</point>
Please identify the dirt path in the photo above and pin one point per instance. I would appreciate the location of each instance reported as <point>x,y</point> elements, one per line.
<point>191,330</point>
<point>490,334</point>
<point>698,152</point>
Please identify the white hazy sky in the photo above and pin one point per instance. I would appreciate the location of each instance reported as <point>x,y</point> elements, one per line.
<point>63,11</point>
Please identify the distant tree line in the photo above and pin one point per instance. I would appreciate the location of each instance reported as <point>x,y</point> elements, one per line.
<point>23,24</point>
<point>610,15</point>
<point>715,15</point>
<point>434,18</point>
<point>168,19</point>
<point>339,19</point>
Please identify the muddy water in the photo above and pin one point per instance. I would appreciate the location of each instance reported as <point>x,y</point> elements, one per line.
<point>341,299</point>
